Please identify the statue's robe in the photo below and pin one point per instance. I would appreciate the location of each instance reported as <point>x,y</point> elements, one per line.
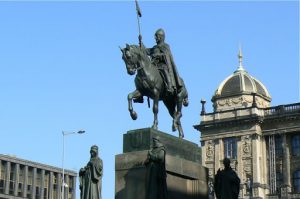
<point>161,55</point>
<point>227,184</point>
<point>91,179</point>
<point>156,174</point>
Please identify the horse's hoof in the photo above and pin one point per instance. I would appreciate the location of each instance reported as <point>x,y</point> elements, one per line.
<point>185,102</point>
<point>174,127</point>
<point>181,136</point>
<point>133,115</point>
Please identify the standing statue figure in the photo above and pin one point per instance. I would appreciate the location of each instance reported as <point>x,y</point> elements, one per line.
<point>90,177</point>
<point>227,182</point>
<point>156,172</point>
<point>162,58</point>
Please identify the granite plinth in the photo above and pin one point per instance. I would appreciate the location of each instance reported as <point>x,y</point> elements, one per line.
<point>141,139</point>
<point>186,177</point>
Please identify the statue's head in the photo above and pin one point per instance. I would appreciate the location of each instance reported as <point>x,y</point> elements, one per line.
<point>156,143</point>
<point>94,151</point>
<point>226,163</point>
<point>160,36</point>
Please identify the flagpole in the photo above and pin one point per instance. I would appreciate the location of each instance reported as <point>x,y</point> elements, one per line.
<point>138,15</point>
<point>140,36</point>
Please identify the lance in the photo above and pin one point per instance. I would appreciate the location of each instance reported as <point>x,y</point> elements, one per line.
<point>139,14</point>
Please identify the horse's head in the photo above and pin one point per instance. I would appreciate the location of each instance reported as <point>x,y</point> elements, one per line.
<point>130,57</point>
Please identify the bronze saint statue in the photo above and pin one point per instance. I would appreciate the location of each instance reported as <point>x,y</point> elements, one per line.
<point>227,182</point>
<point>156,172</point>
<point>90,177</point>
<point>157,78</point>
<point>162,58</point>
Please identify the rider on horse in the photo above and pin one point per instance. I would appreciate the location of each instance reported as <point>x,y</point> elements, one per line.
<point>162,58</point>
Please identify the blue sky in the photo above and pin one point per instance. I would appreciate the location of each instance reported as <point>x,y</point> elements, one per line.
<point>61,68</point>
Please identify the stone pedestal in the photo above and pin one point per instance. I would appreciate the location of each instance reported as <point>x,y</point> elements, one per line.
<point>186,178</point>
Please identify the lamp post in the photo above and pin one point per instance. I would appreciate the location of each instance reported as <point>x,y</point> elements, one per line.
<point>64,133</point>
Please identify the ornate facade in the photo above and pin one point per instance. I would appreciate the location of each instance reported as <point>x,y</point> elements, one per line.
<point>262,142</point>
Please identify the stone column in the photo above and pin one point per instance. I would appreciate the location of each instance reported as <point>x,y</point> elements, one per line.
<point>17,174</point>
<point>25,181</point>
<point>59,185</point>
<point>34,177</point>
<point>74,187</point>
<point>66,191</point>
<point>7,178</point>
<point>264,163</point>
<point>219,154</point>
<point>42,184</point>
<point>286,168</point>
<point>51,185</point>
<point>256,164</point>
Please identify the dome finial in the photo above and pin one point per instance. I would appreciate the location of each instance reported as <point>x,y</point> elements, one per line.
<point>240,56</point>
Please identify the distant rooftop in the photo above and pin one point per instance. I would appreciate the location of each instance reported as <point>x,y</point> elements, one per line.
<point>14,159</point>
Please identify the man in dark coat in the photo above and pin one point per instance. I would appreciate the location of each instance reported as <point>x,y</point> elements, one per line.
<point>156,172</point>
<point>227,183</point>
<point>90,177</point>
<point>162,58</point>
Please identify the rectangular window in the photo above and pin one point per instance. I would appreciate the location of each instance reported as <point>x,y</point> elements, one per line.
<point>296,181</point>
<point>29,182</point>
<point>279,179</point>
<point>1,186</point>
<point>278,146</point>
<point>3,176</point>
<point>37,192</point>
<point>46,184</point>
<point>12,179</point>
<point>45,193</point>
<point>20,189</point>
<point>230,148</point>
<point>296,145</point>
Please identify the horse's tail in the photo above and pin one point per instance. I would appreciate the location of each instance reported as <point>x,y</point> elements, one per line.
<point>148,100</point>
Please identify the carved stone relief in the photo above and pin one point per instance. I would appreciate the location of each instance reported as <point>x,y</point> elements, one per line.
<point>210,151</point>
<point>245,101</point>
<point>246,146</point>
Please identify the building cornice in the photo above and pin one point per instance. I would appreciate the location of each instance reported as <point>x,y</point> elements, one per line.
<point>37,165</point>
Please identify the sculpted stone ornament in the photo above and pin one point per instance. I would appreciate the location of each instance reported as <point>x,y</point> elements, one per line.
<point>157,78</point>
<point>210,150</point>
<point>227,183</point>
<point>156,172</point>
<point>90,177</point>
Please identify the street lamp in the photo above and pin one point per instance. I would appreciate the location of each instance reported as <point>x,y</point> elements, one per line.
<point>64,133</point>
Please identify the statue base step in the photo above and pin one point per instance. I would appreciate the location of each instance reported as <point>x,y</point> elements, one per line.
<point>186,177</point>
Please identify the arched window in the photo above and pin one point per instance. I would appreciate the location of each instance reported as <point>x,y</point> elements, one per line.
<point>296,145</point>
<point>296,181</point>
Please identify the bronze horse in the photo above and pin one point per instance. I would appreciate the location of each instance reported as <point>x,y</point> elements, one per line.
<point>149,82</point>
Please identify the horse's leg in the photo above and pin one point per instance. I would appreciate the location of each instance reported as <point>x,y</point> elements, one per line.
<point>155,108</point>
<point>180,130</point>
<point>178,114</point>
<point>134,94</point>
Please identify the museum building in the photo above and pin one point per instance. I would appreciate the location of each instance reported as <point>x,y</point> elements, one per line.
<point>263,142</point>
<point>26,179</point>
